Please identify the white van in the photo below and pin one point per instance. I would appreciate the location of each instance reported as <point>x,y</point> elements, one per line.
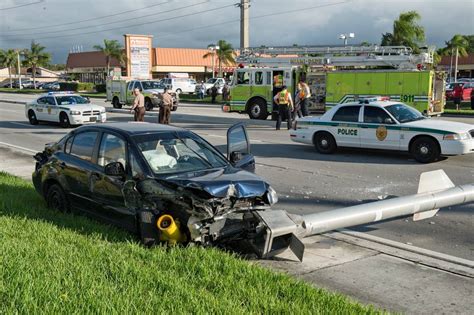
<point>180,85</point>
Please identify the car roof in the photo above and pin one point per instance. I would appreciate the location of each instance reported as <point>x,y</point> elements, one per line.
<point>373,103</point>
<point>132,128</point>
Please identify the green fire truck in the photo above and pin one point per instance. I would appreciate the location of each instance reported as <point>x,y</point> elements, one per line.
<point>335,75</point>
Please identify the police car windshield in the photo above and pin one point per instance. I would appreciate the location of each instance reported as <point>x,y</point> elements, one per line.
<point>148,85</point>
<point>212,81</point>
<point>71,100</point>
<point>404,113</point>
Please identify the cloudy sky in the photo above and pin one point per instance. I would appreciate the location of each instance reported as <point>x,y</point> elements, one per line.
<point>62,24</point>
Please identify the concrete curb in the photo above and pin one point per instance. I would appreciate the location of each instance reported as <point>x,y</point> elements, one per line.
<point>13,102</point>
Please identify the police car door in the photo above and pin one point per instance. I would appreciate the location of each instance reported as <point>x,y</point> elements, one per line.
<point>51,110</point>
<point>40,108</point>
<point>378,129</point>
<point>344,126</point>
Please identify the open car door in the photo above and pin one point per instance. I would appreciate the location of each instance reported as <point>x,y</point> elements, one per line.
<point>238,148</point>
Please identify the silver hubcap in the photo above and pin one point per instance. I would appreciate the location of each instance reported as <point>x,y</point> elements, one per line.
<point>424,150</point>
<point>324,143</point>
<point>256,110</point>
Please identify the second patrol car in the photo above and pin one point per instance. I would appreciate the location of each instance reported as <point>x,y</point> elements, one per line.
<point>65,108</point>
<point>379,123</point>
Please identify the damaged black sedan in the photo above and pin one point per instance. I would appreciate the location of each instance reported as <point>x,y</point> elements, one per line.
<point>165,184</point>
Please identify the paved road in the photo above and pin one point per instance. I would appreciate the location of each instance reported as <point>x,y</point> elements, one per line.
<point>305,180</point>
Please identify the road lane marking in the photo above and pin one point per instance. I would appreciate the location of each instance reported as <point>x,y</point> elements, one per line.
<point>18,147</point>
<point>19,123</point>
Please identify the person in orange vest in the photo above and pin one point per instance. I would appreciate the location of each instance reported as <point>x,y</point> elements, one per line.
<point>285,106</point>
<point>304,94</point>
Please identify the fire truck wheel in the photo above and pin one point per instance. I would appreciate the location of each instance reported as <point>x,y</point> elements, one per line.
<point>257,110</point>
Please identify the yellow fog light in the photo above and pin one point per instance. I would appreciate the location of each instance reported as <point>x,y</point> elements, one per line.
<point>170,230</point>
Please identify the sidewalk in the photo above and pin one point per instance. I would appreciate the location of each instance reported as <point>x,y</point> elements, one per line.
<point>390,275</point>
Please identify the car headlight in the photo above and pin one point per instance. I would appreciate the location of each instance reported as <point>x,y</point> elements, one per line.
<point>272,196</point>
<point>457,136</point>
<point>75,112</point>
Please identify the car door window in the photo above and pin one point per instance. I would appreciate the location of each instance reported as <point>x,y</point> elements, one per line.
<point>376,115</point>
<point>83,145</point>
<point>131,85</point>
<point>112,149</point>
<point>50,100</point>
<point>138,85</point>
<point>347,114</point>
<point>259,78</point>
<point>42,101</point>
<point>243,77</point>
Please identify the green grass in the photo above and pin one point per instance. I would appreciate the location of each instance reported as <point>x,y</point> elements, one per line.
<point>59,263</point>
<point>465,108</point>
<point>193,98</point>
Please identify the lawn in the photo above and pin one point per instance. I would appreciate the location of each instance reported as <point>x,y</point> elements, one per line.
<point>60,263</point>
<point>465,109</point>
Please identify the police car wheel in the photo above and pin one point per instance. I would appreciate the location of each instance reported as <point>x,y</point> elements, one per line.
<point>56,198</point>
<point>32,117</point>
<point>324,143</point>
<point>148,104</point>
<point>425,150</point>
<point>64,120</point>
<point>174,108</point>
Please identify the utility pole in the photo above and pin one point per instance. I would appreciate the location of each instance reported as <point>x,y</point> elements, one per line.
<point>244,23</point>
<point>456,66</point>
<point>19,69</point>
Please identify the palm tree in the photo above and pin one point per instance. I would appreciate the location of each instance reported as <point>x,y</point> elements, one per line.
<point>224,54</point>
<point>406,31</point>
<point>8,59</point>
<point>36,57</point>
<point>111,49</point>
<point>460,44</point>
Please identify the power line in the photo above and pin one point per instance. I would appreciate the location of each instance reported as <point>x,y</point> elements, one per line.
<point>21,5</point>
<point>139,24</point>
<point>255,17</point>
<point>108,23</point>
<point>88,20</point>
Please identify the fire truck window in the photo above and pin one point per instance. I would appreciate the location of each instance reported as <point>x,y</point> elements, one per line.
<point>243,78</point>
<point>269,77</point>
<point>259,78</point>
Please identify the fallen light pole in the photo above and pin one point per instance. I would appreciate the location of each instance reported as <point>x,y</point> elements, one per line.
<point>284,230</point>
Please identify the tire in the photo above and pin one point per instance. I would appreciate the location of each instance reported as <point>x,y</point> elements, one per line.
<point>116,103</point>
<point>64,120</point>
<point>324,143</point>
<point>425,150</point>
<point>32,117</point>
<point>148,104</point>
<point>56,199</point>
<point>147,230</point>
<point>257,110</point>
<point>174,108</point>
<point>179,91</point>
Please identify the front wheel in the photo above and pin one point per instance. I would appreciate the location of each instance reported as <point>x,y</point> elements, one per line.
<point>64,120</point>
<point>148,104</point>
<point>425,150</point>
<point>179,91</point>
<point>324,143</point>
<point>258,110</point>
<point>32,117</point>
<point>56,198</point>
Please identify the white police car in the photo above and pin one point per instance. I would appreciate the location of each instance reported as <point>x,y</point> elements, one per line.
<point>65,108</point>
<point>378,123</point>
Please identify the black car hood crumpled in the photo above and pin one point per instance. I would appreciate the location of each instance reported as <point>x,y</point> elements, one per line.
<point>222,183</point>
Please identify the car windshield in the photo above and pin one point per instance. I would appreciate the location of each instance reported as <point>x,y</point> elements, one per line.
<point>452,85</point>
<point>211,81</point>
<point>71,100</point>
<point>149,85</point>
<point>404,113</point>
<point>174,152</point>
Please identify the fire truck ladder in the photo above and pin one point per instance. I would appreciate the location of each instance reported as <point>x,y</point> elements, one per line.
<point>398,57</point>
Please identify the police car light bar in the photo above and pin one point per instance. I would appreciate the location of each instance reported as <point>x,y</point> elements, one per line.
<point>61,93</point>
<point>367,100</point>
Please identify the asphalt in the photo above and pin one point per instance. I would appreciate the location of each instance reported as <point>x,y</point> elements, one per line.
<point>392,271</point>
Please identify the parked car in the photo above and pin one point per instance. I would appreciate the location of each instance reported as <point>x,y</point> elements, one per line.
<point>219,82</point>
<point>51,86</point>
<point>180,85</point>
<point>466,90</point>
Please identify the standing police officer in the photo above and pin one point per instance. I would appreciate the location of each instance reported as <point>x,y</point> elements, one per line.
<point>165,108</point>
<point>285,106</point>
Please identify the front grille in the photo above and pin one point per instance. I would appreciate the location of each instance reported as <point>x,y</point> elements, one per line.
<point>90,113</point>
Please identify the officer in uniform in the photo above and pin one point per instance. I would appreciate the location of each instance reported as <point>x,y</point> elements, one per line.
<point>165,108</point>
<point>138,106</point>
<point>285,106</point>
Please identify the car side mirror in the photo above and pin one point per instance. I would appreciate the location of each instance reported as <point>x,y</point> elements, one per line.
<point>425,113</point>
<point>88,100</point>
<point>388,121</point>
<point>235,157</point>
<point>115,169</point>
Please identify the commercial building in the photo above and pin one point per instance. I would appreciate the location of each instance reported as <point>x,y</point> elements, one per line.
<point>465,66</point>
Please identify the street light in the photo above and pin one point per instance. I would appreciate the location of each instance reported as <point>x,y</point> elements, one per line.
<point>213,49</point>
<point>345,37</point>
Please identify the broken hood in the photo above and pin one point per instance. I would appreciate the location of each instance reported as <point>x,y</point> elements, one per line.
<point>221,183</point>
